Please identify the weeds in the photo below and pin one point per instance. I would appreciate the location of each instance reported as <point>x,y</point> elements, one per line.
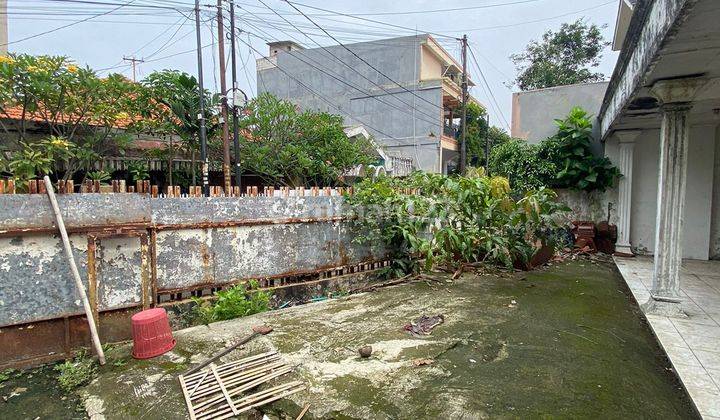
<point>235,302</point>
<point>76,372</point>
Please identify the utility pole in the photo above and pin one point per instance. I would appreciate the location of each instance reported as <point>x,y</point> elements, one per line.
<point>236,137</point>
<point>201,115</point>
<point>223,99</point>
<point>133,61</point>
<point>487,144</point>
<point>463,146</point>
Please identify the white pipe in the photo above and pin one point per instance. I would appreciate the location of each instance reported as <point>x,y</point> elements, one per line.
<point>73,268</point>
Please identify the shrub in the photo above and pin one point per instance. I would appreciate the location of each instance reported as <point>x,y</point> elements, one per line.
<point>518,161</point>
<point>234,302</point>
<point>565,160</point>
<point>452,220</point>
<point>569,151</point>
<point>76,372</point>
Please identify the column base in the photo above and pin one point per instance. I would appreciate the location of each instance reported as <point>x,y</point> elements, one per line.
<point>623,251</point>
<point>663,308</point>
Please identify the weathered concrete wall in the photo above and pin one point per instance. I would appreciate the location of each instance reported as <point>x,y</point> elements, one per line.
<point>699,194</point>
<point>397,119</point>
<point>141,245</point>
<point>534,112</point>
<point>715,212</point>
<point>589,206</point>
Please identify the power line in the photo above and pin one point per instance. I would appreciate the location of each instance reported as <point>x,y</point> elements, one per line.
<point>313,91</point>
<point>527,22</point>
<point>363,60</point>
<point>68,25</point>
<point>369,94</point>
<point>415,12</point>
<point>492,95</point>
<point>369,20</point>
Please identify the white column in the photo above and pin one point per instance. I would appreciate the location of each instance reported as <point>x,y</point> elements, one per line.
<point>675,96</point>
<point>626,147</point>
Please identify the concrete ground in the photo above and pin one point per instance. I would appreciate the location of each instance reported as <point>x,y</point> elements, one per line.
<point>568,341</point>
<point>692,343</point>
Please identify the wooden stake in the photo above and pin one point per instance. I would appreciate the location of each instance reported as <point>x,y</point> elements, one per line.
<point>76,274</point>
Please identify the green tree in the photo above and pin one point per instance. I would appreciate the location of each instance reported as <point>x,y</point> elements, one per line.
<point>283,145</point>
<point>477,134</point>
<point>171,105</point>
<point>561,58</point>
<point>70,103</point>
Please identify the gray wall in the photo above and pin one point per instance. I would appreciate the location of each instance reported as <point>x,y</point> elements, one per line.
<point>386,113</point>
<point>534,112</point>
<point>171,244</point>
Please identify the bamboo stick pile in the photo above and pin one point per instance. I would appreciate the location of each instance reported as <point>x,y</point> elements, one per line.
<point>218,392</point>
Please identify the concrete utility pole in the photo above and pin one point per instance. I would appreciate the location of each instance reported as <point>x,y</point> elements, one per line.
<point>223,99</point>
<point>201,115</point>
<point>463,150</point>
<point>134,62</point>
<point>487,144</point>
<point>236,136</point>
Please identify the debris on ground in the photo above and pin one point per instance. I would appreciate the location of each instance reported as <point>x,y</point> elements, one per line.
<point>365,351</point>
<point>422,362</point>
<point>256,331</point>
<point>218,392</point>
<point>424,324</point>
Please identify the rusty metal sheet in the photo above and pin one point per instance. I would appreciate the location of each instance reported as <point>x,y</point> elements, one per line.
<point>33,212</point>
<point>199,210</point>
<point>187,258</point>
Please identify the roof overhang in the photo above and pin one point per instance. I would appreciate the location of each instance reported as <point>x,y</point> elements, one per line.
<point>666,39</point>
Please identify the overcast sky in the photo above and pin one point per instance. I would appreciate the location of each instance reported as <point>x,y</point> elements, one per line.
<point>499,29</point>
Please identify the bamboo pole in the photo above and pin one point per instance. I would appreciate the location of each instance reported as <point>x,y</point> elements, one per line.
<point>76,274</point>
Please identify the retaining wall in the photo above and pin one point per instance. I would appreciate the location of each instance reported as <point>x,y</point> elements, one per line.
<point>133,251</point>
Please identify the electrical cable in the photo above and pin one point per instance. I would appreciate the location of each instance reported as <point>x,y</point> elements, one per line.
<point>339,79</point>
<point>363,60</point>
<point>492,95</point>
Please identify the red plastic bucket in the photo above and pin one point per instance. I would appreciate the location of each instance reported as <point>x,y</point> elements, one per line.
<point>152,335</point>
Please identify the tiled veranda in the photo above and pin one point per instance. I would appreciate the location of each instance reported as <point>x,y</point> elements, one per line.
<point>693,343</point>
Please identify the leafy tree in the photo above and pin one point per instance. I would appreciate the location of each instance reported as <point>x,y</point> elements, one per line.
<point>561,58</point>
<point>71,103</point>
<point>171,105</point>
<point>518,161</point>
<point>477,134</point>
<point>283,145</point>
<point>569,151</point>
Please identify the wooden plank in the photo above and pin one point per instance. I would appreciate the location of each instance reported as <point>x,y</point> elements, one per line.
<point>191,411</point>
<point>224,391</point>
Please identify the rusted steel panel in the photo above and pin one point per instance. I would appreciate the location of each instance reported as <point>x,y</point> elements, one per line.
<point>80,211</point>
<point>35,278</point>
<point>199,210</point>
<point>119,272</point>
<point>187,258</point>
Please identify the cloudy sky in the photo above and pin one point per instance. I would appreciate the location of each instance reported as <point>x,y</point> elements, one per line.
<point>160,32</point>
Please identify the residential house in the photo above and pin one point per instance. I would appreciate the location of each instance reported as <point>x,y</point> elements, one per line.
<point>404,91</point>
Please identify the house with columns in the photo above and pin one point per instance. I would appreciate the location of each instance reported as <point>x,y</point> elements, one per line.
<point>659,121</point>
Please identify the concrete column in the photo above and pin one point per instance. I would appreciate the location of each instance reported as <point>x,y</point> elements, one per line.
<point>626,146</point>
<point>676,98</point>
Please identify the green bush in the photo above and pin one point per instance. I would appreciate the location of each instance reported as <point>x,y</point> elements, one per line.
<point>518,161</point>
<point>234,302</point>
<point>76,372</point>
<point>565,160</point>
<point>450,220</point>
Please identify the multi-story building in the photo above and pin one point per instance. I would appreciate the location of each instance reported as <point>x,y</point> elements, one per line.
<point>405,91</point>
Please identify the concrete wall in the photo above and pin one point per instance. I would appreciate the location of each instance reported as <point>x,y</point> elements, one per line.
<point>534,112</point>
<point>144,246</point>
<point>400,121</point>
<point>699,193</point>
<point>715,213</point>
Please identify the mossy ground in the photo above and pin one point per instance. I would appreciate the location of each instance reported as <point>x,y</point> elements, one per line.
<point>573,345</point>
